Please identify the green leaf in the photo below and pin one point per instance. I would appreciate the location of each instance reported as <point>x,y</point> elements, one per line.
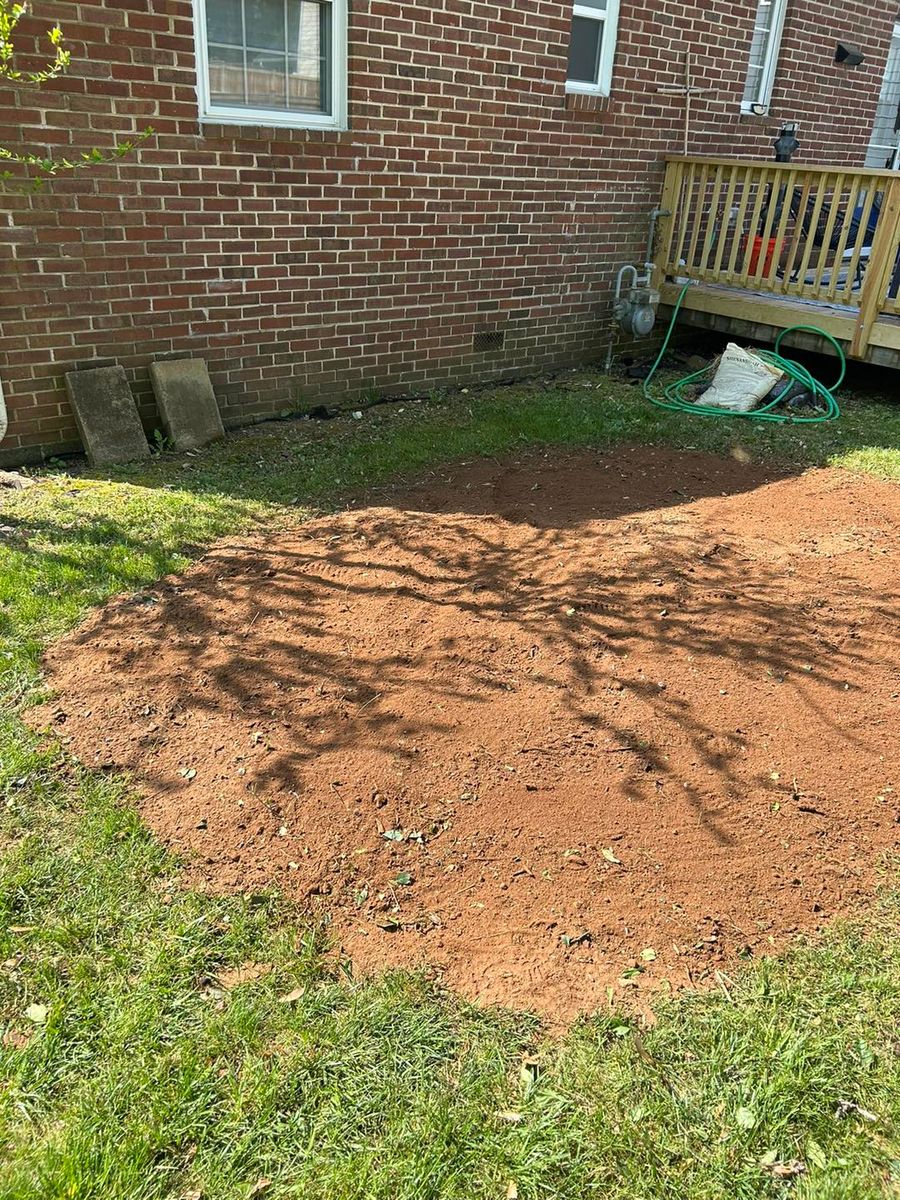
<point>404,879</point>
<point>745,1119</point>
<point>37,1013</point>
<point>816,1155</point>
<point>865,1054</point>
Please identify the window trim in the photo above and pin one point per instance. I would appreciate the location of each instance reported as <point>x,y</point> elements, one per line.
<point>761,106</point>
<point>610,22</point>
<point>893,146</point>
<point>224,114</point>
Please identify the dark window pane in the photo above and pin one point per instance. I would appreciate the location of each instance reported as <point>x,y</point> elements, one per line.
<point>265,24</point>
<point>226,75</point>
<point>584,50</point>
<point>223,22</point>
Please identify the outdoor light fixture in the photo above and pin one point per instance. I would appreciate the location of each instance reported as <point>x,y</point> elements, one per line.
<point>786,144</point>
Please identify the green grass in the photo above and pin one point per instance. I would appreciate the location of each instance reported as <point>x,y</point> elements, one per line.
<point>136,1077</point>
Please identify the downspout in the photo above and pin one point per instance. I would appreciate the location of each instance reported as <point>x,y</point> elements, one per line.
<point>4,418</point>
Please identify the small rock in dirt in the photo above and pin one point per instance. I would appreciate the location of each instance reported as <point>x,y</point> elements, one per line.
<point>581,939</point>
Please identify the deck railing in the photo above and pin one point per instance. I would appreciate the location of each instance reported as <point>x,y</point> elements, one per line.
<point>827,234</point>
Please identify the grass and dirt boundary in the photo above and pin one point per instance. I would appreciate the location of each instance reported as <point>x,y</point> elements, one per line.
<point>129,1071</point>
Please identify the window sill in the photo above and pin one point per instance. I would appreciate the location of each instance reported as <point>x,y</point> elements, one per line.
<point>271,119</point>
<point>587,89</point>
<point>755,110</point>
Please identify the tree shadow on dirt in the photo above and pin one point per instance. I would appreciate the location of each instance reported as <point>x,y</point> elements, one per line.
<point>582,606</point>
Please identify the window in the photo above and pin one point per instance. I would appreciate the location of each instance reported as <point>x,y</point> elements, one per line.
<point>592,46</point>
<point>764,55</point>
<point>273,62</point>
<point>884,148</point>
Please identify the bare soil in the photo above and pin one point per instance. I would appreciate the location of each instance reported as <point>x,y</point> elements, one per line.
<point>550,726</point>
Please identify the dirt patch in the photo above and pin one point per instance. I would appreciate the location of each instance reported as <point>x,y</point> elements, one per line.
<point>549,726</point>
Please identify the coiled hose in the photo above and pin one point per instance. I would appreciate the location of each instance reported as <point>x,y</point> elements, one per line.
<point>677,401</point>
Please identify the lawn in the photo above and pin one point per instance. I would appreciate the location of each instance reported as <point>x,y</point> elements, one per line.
<point>159,1043</point>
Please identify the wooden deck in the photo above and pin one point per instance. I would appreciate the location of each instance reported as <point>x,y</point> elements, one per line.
<point>770,245</point>
<point>760,317</point>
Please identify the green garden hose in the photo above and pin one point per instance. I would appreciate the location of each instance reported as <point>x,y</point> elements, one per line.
<point>676,399</point>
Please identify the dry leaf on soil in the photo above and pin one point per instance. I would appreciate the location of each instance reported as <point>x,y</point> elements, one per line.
<point>292,997</point>
<point>783,1170</point>
<point>14,1039</point>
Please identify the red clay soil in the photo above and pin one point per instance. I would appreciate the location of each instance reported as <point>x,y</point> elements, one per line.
<point>548,726</point>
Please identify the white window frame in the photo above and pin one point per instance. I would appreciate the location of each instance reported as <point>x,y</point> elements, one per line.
<point>610,22</point>
<point>225,114</point>
<point>884,95</point>
<point>760,107</point>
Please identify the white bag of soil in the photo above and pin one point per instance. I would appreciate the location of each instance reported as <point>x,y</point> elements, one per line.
<point>741,382</point>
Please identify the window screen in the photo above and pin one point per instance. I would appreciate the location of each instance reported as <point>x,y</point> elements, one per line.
<point>273,61</point>
<point>592,46</point>
<point>270,54</point>
<point>884,149</point>
<point>764,49</point>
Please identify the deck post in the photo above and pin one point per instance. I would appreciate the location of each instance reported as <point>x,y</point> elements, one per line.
<point>881,265</point>
<point>669,203</point>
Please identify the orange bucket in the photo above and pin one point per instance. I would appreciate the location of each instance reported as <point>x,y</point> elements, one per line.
<point>756,255</point>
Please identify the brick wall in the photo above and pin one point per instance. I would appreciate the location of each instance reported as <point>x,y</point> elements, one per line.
<point>468,196</point>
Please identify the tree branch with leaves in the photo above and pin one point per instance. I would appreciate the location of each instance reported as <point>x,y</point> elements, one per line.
<point>39,167</point>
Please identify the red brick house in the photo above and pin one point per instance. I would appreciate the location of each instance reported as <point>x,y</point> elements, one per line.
<point>342,195</point>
